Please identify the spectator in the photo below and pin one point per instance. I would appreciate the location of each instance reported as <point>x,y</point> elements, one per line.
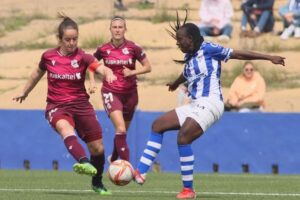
<point>119,5</point>
<point>215,19</point>
<point>290,14</point>
<point>247,91</point>
<point>259,15</point>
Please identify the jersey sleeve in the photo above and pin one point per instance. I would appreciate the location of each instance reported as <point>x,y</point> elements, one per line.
<point>90,62</point>
<point>139,53</point>
<point>218,52</point>
<point>97,54</point>
<point>42,63</point>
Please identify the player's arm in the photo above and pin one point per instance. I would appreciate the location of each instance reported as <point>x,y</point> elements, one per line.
<point>92,87</point>
<point>174,85</point>
<point>34,78</point>
<point>251,55</point>
<point>146,68</point>
<point>106,72</point>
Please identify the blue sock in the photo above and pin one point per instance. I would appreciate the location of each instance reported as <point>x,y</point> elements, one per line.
<point>150,152</point>
<point>187,165</point>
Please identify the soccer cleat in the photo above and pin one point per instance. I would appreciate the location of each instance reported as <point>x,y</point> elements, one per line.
<point>85,168</point>
<point>139,178</point>
<point>186,193</point>
<point>101,190</point>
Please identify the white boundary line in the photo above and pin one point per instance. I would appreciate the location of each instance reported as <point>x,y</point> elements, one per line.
<point>157,192</point>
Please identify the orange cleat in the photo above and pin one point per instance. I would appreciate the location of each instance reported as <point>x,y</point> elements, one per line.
<point>186,193</point>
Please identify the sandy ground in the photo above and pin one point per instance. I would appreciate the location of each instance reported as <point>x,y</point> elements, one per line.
<point>15,66</point>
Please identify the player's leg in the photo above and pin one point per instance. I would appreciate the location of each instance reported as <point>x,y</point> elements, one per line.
<point>90,131</point>
<point>195,120</point>
<point>189,132</point>
<point>63,122</point>
<point>166,122</point>
<point>96,149</point>
<point>129,103</point>
<point>120,144</point>
<point>122,107</point>
<point>114,108</point>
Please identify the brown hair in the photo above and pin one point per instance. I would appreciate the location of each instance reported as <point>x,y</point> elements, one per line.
<point>67,22</point>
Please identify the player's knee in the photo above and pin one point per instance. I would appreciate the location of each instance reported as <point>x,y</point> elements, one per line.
<point>183,139</point>
<point>63,127</point>
<point>121,129</point>
<point>96,149</point>
<point>157,127</point>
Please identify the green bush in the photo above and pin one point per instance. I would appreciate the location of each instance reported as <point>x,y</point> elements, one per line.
<point>93,41</point>
<point>162,16</point>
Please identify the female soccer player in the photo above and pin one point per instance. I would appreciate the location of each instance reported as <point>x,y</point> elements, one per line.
<point>121,97</point>
<point>68,108</point>
<point>202,70</point>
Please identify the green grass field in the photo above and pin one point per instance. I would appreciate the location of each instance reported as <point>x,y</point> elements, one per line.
<point>59,185</point>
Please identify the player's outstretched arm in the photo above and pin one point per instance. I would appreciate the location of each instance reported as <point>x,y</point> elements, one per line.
<point>34,78</point>
<point>251,55</point>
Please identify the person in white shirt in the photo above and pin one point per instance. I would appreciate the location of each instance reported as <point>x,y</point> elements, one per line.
<point>290,14</point>
<point>216,19</point>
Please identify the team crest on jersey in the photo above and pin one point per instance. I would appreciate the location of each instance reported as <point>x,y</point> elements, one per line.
<point>108,52</point>
<point>74,63</point>
<point>53,62</point>
<point>125,51</point>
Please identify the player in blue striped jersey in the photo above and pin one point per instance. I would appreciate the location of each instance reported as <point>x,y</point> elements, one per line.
<point>202,71</point>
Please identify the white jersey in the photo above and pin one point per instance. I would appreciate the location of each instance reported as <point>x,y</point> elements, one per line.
<point>203,71</point>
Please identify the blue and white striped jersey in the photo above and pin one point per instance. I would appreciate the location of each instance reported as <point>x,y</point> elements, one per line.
<point>203,70</point>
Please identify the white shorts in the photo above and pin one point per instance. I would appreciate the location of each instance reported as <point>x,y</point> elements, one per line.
<point>205,111</point>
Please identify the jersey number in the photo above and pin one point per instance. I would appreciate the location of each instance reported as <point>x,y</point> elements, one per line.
<point>108,99</point>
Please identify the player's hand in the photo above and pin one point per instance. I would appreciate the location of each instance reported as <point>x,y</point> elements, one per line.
<point>92,89</point>
<point>289,17</point>
<point>109,75</point>
<point>172,86</point>
<point>20,98</point>
<point>278,60</point>
<point>253,17</point>
<point>127,72</point>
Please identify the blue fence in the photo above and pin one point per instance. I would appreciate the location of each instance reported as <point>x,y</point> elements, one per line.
<point>256,140</point>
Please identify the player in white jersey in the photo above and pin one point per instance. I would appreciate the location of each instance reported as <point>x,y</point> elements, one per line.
<point>202,71</point>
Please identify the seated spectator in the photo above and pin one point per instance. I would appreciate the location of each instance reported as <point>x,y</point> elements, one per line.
<point>290,14</point>
<point>216,19</point>
<point>247,91</point>
<point>119,5</point>
<point>259,15</point>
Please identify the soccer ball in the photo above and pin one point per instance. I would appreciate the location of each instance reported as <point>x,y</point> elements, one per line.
<point>120,172</point>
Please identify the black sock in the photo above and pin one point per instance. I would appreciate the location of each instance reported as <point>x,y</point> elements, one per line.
<point>97,181</point>
<point>84,160</point>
